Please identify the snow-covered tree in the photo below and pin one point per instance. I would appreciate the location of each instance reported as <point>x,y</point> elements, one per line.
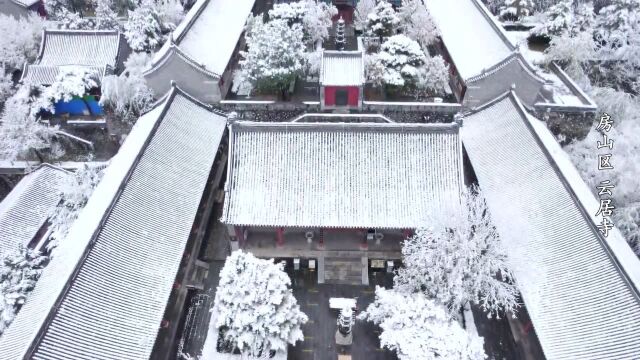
<point>418,328</point>
<point>70,82</point>
<point>625,111</point>
<point>573,52</point>
<point>401,64</point>
<point>106,17</point>
<point>74,194</point>
<point>617,22</point>
<point>20,40</point>
<point>276,55</point>
<point>433,78</point>
<point>127,94</point>
<point>618,36</point>
<point>417,23</point>
<point>73,21</point>
<point>459,259</point>
<point>398,62</point>
<point>516,9</point>
<point>143,29</point>
<point>255,306</point>
<point>171,13</point>
<point>20,132</point>
<point>19,272</point>
<point>6,86</point>
<point>363,9</point>
<point>314,16</point>
<point>566,16</point>
<point>383,21</point>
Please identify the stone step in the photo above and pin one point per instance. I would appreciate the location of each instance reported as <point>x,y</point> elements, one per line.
<point>347,271</point>
<point>350,266</point>
<point>339,274</point>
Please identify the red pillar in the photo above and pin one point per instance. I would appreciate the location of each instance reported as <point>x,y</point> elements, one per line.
<point>321,238</point>
<point>239,235</point>
<point>280,236</point>
<point>407,233</point>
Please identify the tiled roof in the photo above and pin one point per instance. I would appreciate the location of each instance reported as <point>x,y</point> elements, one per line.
<point>104,293</point>
<point>27,207</point>
<point>26,3</point>
<point>47,74</point>
<point>210,32</point>
<point>93,49</point>
<point>580,289</point>
<point>341,175</point>
<point>342,68</point>
<point>474,41</point>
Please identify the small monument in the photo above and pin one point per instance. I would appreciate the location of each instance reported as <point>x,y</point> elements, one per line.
<point>344,336</point>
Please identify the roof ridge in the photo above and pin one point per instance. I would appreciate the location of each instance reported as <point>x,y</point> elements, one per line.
<point>174,48</point>
<point>199,8</point>
<point>80,32</point>
<point>494,25</point>
<point>347,126</point>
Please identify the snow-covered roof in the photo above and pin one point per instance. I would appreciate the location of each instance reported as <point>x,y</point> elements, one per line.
<point>27,207</point>
<point>473,39</point>
<point>341,175</point>
<point>104,294</point>
<point>93,49</point>
<point>210,32</point>
<point>580,288</point>
<point>342,68</point>
<point>26,3</point>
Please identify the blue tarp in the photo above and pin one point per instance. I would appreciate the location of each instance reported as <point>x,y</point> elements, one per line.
<point>79,106</point>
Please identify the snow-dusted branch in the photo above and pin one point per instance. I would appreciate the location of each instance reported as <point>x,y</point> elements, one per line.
<point>255,306</point>
<point>458,259</point>
<point>418,328</point>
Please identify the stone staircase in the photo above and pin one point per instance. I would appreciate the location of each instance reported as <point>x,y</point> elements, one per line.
<point>345,270</point>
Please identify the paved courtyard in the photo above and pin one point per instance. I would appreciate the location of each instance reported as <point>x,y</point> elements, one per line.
<point>319,342</point>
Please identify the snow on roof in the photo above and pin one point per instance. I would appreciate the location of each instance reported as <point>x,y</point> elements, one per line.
<point>27,207</point>
<point>94,49</point>
<point>26,3</point>
<point>583,299</point>
<point>47,74</point>
<point>343,175</point>
<point>342,68</point>
<point>210,32</point>
<point>473,39</point>
<point>104,293</point>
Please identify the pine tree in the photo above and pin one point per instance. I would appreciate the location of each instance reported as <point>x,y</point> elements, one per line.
<point>143,29</point>
<point>19,272</point>
<point>383,21</point>
<point>106,17</point>
<point>255,307</point>
<point>276,56</point>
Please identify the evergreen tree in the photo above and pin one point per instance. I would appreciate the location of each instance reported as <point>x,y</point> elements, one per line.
<point>106,17</point>
<point>143,29</point>
<point>255,307</point>
<point>19,272</point>
<point>383,21</point>
<point>276,56</point>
